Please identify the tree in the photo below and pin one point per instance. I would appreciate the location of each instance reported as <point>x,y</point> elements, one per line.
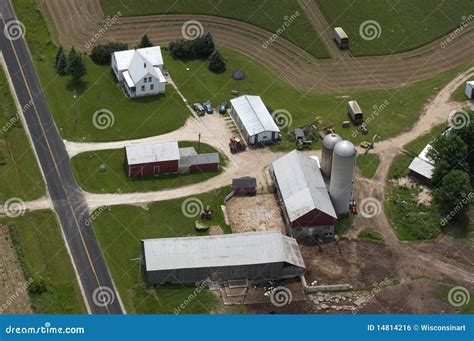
<point>451,196</point>
<point>61,64</point>
<point>145,42</point>
<point>466,133</point>
<point>59,52</point>
<point>76,67</point>
<point>199,48</point>
<point>217,64</point>
<point>101,54</point>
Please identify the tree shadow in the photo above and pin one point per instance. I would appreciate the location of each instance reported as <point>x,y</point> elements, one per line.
<point>79,86</point>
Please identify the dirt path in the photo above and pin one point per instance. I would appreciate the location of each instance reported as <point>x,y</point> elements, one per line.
<point>77,21</point>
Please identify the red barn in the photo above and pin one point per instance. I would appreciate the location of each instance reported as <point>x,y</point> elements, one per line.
<point>303,195</point>
<point>144,160</point>
<point>246,185</point>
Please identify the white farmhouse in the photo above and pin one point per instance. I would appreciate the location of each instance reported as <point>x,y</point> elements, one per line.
<point>140,71</point>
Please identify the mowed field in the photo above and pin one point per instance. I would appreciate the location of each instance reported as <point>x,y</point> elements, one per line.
<point>403,24</point>
<point>266,14</point>
<point>46,263</point>
<point>119,230</point>
<point>114,179</point>
<point>19,172</point>
<point>142,117</point>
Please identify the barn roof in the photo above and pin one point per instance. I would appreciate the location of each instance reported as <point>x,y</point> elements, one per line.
<point>147,153</point>
<point>301,185</point>
<point>244,182</point>
<point>187,161</point>
<point>221,250</point>
<point>254,115</point>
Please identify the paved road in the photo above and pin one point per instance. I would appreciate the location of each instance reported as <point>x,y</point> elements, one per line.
<point>67,198</point>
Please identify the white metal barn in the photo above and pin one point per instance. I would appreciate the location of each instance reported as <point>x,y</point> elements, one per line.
<point>140,71</point>
<point>470,90</point>
<point>251,256</point>
<point>254,121</point>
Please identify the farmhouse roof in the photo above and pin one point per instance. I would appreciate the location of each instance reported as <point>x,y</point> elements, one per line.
<point>139,63</point>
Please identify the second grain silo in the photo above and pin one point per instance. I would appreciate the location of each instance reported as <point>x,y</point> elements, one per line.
<point>329,141</point>
<point>342,175</point>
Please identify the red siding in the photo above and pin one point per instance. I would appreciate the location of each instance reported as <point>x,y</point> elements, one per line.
<point>420,178</point>
<point>148,169</point>
<point>205,167</point>
<point>249,190</point>
<point>313,219</point>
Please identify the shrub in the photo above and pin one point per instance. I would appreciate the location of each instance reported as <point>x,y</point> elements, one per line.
<point>217,64</point>
<point>199,48</point>
<point>101,54</point>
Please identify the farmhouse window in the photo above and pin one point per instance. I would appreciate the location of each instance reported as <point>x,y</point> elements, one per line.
<point>152,86</point>
<point>143,88</point>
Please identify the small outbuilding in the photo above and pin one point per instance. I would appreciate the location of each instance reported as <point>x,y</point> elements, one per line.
<point>304,198</point>
<point>254,121</point>
<point>469,91</point>
<point>354,112</point>
<point>341,38</point>
<point>251,256</point>
<point>245,185</point>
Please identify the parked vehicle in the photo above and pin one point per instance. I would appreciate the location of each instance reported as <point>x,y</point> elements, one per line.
<point>354,112</point>
<point>341,38</point>
<point>236,146</point>
<point>199,109</point>
<point>223,108</point>
<point>208,107</point>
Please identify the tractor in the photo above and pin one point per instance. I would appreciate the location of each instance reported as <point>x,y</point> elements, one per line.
<point>236,145</point>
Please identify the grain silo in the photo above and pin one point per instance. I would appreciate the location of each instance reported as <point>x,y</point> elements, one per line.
<point>329,141</point>
<point>341,183</point>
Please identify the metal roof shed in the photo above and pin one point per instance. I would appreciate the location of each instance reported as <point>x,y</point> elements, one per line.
<point>149,153</point>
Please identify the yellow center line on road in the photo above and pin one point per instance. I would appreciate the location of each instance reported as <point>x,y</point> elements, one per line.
<point>55,164</point>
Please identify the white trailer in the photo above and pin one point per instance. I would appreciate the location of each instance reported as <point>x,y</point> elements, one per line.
<point>469,90</point>
<point>341,38</point>
<point>354,112</point>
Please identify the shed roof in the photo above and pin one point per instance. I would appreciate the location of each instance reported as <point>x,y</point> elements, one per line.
<point>422,167</point>
<point>341,33</point>
<point>147,153</point>
<point>254,115</point>
<point>223,250</point>
<point>301,185</point>
<point>244,182</point>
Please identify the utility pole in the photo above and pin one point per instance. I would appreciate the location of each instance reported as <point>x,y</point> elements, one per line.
<point>74,95</point>
<point>199,142</point>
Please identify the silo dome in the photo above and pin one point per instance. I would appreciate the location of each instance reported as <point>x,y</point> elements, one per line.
<point>344,149</point>
<point>342,176</point>
<point>329,141</point>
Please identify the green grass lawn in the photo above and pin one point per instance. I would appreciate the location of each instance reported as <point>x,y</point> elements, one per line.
<point>20,175</point>
<point>133,118</point>
<point>459,95</point>
<point>114,179</point>
<point>417,145</point>
<point>119,231</point>
<point>42,254</point>
<point>370,235</point>
<point>368,164</point>
<point>404,24</point>
<point>403,109</point>
<point>264,14</point>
